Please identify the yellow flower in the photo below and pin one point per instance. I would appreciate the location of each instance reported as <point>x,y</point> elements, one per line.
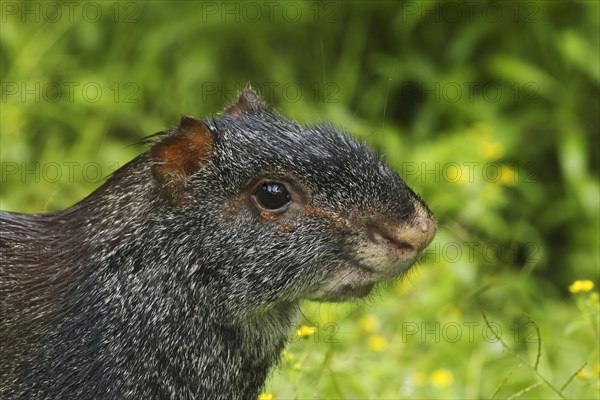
<point>441,378</point>
<point>491,150</point>
<point>377,343</point>
<point>488,147</point>
<point>304,331</point>
<point>581,286</point>
<point>508,176</point>
<point>480,130</point>
<point>589,373</point>
<point>419,378</point>
<point>287,356</point>
<point>403,286</point>
<point>369,324</point>
<point>453,173</point>
<point>449,312</point>
<point>265,396</point>
<point>582,374</point>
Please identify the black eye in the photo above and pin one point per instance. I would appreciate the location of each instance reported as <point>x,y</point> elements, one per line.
<point>272,195</point>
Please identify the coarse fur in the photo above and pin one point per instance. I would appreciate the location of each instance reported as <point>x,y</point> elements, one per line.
<point>169,282</point>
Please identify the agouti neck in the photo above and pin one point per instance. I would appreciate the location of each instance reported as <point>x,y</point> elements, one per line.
<point>123,203</point>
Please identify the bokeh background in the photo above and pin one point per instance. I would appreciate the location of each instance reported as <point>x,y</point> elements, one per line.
<point>489,110</point>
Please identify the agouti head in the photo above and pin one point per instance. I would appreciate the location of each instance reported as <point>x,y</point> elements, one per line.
<point>275,211</point>
<point>180,276</point>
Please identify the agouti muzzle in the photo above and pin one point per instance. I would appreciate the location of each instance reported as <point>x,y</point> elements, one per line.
<point>180,277</point>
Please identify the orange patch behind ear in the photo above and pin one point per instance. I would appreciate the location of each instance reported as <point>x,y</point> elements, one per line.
<point>180,154</point>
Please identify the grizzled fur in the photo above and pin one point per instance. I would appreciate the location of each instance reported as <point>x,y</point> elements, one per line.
<point>165,282</point>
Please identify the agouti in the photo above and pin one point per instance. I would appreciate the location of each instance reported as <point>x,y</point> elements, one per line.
<point>180,277</point>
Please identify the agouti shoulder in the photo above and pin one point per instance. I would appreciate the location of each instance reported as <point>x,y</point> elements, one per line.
<point>180,277</point>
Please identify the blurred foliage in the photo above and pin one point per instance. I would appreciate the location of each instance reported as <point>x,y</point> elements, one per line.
<point>491,111</point>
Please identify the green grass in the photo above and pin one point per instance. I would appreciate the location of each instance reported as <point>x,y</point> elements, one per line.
<point>413,342</point>
<point>492,118</point>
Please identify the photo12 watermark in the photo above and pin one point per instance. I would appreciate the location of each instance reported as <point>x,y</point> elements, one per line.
<point>466,172</point>
<point>55,172</point>
<point>468,331</point>
<point>486,252</point>
<point>289,12</point>
<point>69,92</point>
<point>470,91</point>
<point>525,12</point>
<point>432,332</point>
<point>53,12</point>
<point>290,92</point>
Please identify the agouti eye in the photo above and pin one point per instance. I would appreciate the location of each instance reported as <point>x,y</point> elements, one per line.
<point>272,195</point>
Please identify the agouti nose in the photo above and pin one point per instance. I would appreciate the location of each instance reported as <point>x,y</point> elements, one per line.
<point>405,238</point>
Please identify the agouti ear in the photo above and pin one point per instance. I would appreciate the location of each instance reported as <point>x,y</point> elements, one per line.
<point>247,103</point>
<point>180,154</point>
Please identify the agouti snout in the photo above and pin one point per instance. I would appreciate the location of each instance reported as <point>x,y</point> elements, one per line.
<point>180,277</point>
